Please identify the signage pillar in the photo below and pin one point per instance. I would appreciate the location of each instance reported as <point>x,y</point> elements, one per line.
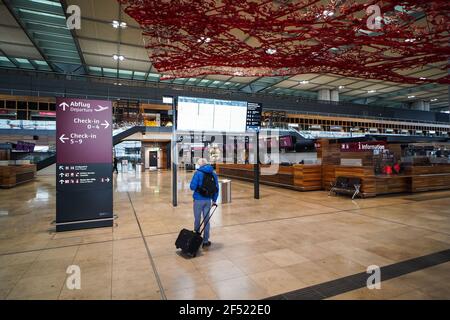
<point>84,194</point>
<point>174,155</point>
<point>254,116</point>
<point>256,168</point>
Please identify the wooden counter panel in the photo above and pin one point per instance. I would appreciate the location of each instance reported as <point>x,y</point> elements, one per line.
<point>308,177</point>
<point>10,176</point>
<point>394,184</point>
<point>430,182</point>
<point>439,168</point>
<point>245,171</point>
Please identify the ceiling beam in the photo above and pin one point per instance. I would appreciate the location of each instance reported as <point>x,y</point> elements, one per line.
<point>3,53</point>
<point>10,8</point>
<point>75,38</point>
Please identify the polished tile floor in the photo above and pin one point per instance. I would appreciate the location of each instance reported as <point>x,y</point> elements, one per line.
<point>285,241</point>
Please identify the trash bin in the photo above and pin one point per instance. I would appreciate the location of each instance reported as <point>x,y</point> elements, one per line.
<point>224,191</point>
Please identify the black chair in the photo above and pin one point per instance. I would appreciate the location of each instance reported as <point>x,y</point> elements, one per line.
<point>346,185</point>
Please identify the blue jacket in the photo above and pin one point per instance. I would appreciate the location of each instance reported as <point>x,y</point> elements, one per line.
<point>197,181</point>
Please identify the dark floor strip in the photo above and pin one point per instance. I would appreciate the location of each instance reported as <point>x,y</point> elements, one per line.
<point>359,280</point>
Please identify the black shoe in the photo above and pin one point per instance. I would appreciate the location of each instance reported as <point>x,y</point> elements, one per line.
<point>206,244</point>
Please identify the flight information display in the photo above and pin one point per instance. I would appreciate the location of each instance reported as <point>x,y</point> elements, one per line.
<point>201,114</point>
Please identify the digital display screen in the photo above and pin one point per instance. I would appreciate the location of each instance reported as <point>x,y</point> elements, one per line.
<point>200,114</point>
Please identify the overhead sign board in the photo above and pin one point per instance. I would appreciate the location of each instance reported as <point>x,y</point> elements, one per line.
<point>363,146</point>
<point>254,116</point>
<point>83,164</point>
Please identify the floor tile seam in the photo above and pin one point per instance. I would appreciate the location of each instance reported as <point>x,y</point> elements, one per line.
<point>22,275</point>
<point>152,262</point>
<point>65,279</point>
<point>399,223</point>
<point>68,246</point>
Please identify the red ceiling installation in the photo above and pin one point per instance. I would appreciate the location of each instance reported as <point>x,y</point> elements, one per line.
<point>287,37</point>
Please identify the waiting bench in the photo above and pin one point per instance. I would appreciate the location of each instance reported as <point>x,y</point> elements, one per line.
<point>346,185</point>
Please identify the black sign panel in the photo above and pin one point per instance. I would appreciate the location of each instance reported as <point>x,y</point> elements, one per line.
<point>254,116</point>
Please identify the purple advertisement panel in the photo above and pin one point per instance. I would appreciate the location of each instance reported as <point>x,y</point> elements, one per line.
<point>83,131</point>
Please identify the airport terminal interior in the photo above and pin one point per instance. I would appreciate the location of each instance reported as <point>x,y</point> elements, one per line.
<point>326,123</point>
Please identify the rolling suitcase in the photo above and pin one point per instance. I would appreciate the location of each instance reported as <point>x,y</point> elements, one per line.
<point>190,241</point>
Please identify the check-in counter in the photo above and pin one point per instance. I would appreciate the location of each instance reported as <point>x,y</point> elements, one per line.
<point>13,175</point>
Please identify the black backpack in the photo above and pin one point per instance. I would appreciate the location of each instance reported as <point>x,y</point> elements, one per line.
<point>208,188</point>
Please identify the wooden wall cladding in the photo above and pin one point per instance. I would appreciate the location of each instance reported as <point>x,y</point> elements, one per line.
<point>284,176</point>
<point>308,177</point>
<point>10,176</point>
<point>4,155</point>
<point>330,152</point>
<point>328,176</point>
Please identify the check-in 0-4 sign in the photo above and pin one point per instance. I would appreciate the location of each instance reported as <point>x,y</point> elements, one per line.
<point>83,164</point>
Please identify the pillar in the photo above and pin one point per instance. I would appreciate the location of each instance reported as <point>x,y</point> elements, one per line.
<point>324,94</point>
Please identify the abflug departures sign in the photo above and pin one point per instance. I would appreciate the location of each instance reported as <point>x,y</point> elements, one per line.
<point>83,164</point>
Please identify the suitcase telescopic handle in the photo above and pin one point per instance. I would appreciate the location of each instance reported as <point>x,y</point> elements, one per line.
<point>206,220</point>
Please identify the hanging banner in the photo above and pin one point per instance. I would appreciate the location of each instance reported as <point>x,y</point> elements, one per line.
<point>84,197</point>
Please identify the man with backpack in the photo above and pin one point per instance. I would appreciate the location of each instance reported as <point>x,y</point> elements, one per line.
<point>205,185</point>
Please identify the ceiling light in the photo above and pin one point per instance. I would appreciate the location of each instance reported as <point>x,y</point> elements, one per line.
<point>327,13</point>
<point>117,57</point>
<point>341,87</point>
<point>410,97</point>
<point>119,24</point>
<point>423,78</point>
<point>410,40</point>
<point>204,39</point>
<point>271,51</point>
<point>371,91</point>
<point>434,99</point>
<point>304,82</point>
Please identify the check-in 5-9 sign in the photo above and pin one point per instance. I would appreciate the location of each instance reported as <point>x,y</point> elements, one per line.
<point>84,131</point>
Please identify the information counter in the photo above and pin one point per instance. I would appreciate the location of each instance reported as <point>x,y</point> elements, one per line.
<point>413,179</point>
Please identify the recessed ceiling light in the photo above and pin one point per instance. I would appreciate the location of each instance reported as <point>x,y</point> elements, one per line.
<point>327,13</point>
<point>304,82</point>
<point>341,87</point>
<point>117,57</point>
<point>434,99</point>
<point>410,97</point>
<point>410,40</point>
<point>423,78</point>
<point>371,91</point>
<point>271,51</point>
